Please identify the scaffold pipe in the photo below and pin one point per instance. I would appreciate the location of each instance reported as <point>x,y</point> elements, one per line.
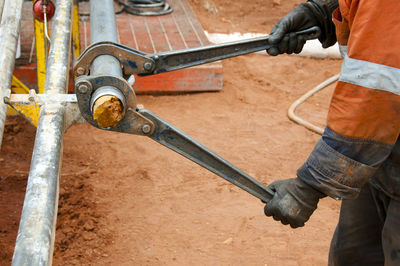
<point>9,32</point>
<point>1,7</point>
<point>35,240</point>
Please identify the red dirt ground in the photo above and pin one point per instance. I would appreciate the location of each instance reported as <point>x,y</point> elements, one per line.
<point>125,200</point>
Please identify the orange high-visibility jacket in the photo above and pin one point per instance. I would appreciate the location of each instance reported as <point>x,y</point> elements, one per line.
<point>366,102</point>
<point>359,143</point>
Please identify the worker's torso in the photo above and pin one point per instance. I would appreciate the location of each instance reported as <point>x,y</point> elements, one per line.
<point>387,177</point>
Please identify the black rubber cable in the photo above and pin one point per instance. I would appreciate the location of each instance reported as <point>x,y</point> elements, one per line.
<point>140,7</point>
<point>146,7</point>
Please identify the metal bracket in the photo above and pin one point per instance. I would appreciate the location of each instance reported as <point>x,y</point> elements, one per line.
<point>132,60</point>
<point>132,123</point>
<point>39,99</point>
<point>28,105</point>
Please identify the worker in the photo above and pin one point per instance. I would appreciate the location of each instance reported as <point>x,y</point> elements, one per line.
<point>357,160</point>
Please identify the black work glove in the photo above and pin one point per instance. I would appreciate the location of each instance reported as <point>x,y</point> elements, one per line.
<point>304,16</point>
<point>293,203</point>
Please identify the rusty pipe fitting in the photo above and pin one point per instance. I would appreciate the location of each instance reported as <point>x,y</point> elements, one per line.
<point>108,106</point>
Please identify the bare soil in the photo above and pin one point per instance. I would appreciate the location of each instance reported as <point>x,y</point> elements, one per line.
<point>125,200</point>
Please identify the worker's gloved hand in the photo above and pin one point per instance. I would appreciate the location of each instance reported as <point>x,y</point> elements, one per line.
<point>293,203</point>
<point>304,16</point>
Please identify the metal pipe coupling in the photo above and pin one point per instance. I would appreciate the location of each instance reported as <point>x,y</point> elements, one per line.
<point>104,100</point>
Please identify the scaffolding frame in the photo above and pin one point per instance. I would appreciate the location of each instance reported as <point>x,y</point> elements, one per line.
<point>36,234</point>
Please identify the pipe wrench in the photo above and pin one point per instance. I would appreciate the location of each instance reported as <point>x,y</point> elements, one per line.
<point>140,121</point>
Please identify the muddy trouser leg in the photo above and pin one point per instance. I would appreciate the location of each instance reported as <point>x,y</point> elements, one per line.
<point>391,234</point>
<point>358,236</point>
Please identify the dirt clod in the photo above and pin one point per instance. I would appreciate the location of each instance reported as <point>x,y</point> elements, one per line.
<point>108,111</point>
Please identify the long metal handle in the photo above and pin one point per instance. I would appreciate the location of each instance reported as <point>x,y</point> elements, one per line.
<point>171,137</point>
<point>169,61</point>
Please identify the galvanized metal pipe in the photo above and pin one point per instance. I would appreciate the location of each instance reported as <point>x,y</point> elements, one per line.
<point>107,103</point>
<point>103,27</point>
<point>1,7</point>
<point>35,240</point>
<point>9,32</point>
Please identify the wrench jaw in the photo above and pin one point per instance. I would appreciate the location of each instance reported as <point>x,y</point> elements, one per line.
<point>132,60</point>
<point>132,122</point>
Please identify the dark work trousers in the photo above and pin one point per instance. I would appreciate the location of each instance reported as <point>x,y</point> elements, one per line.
<point>368,232</point>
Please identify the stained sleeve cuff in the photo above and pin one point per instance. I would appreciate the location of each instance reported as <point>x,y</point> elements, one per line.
<point>333,173</point>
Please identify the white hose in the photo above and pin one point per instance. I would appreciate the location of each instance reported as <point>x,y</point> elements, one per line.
<point>292,116</point>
